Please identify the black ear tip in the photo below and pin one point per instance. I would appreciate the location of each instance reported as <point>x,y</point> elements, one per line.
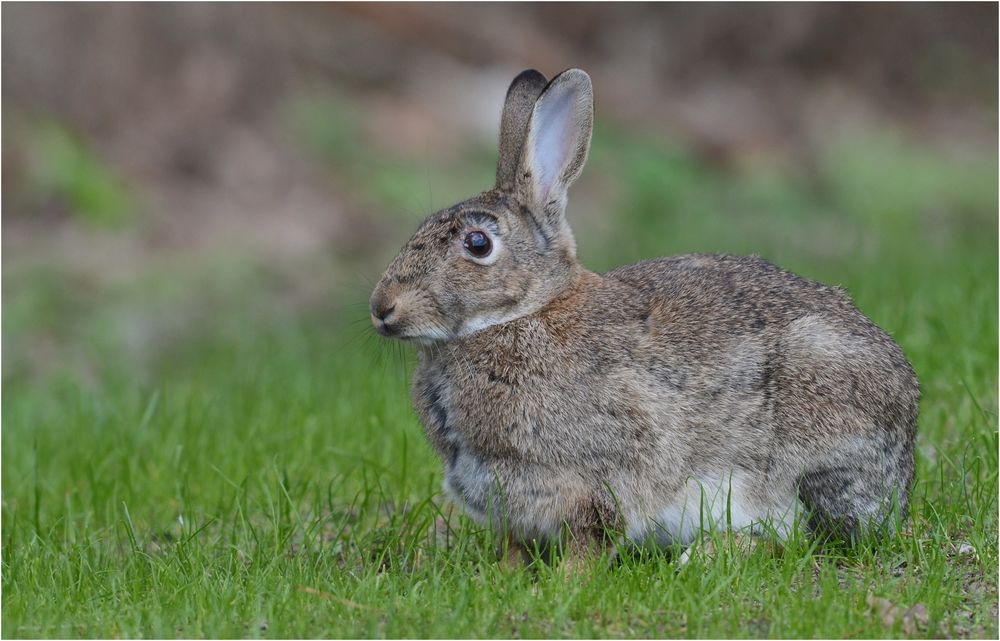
<point>530,74</point>
<point>530,77</point>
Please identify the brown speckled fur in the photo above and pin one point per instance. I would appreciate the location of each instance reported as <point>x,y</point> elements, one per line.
<point>561,399</point>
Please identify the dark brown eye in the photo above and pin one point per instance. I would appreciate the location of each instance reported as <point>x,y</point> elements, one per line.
<point>478,244</point>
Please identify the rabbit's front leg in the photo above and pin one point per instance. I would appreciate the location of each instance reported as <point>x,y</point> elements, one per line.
<point>512,554</point>
<point>580,553</point>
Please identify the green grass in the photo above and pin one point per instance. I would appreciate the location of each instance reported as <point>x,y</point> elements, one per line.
<point>262,474</point>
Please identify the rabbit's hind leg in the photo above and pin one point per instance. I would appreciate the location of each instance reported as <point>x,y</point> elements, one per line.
<point>862,492</point>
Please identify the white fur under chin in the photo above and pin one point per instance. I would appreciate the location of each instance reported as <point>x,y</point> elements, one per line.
<point>468,328</point>
<point>480,323</point>
<point>432,337</point>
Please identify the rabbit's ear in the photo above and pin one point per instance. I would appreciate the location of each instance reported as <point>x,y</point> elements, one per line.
<point>556,146</point>
<point>521,97</point>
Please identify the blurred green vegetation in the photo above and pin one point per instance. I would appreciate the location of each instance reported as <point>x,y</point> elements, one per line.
<point>400,183</point>
<point>64,168</point>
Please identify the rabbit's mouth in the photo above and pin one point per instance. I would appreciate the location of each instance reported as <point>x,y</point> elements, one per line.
<point>383,328</point>
<point>437,333</point>
<point>390,326</point>
<point>409,315</point>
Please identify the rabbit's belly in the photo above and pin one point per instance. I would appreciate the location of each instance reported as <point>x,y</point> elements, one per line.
<point>712,503</point>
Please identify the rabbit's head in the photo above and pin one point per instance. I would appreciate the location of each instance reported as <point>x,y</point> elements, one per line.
<point>506,252</point>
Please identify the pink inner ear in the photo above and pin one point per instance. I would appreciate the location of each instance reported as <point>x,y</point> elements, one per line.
<point>555,137</point>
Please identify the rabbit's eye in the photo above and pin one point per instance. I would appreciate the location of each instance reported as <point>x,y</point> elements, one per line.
<point>478,244</point>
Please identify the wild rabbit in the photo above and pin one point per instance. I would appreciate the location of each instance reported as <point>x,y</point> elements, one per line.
<point>656,400</point>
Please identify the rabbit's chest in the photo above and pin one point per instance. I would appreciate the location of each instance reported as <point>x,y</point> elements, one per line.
<point>472,436</point>
<point>523,409</point>
<point>490,401</point>
<point>484,423</point>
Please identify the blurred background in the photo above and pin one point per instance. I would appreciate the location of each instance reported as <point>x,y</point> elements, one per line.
<point>179,174</point>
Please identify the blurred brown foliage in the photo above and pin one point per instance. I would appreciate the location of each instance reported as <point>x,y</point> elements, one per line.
<point>184,101</point>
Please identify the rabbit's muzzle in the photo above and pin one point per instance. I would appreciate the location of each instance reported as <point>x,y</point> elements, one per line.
<point>383,312</point>
<point>407,313</point>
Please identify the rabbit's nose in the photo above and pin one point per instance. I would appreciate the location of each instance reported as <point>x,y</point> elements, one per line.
<point>383,302</point>
<point>383,312</point>
<point>385,309</point>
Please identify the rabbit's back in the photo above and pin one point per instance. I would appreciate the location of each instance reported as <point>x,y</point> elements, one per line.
<point>800,343</point>
<point>738,294</point>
